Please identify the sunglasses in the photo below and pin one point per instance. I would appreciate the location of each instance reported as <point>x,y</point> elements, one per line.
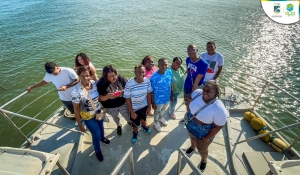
<point>191,51</point>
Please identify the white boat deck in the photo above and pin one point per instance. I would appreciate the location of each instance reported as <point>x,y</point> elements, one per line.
<point>153,154</point>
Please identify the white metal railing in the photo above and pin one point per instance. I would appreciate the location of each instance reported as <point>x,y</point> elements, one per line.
<point>265,94</point>
<point>129,154</point>
<point>18,129</point>
<point>188,160</point>
<point>270,132</point>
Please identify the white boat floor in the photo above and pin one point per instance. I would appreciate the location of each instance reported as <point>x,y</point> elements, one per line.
<point>51,139</point>
<point>240,129</point>
<point>153,154</point>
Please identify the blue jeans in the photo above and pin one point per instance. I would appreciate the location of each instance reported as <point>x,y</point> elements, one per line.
<point>97,130</point>
<point>69,105</point>
<point>173,103</point>
<point>198,130</point>
<point>160,111</point>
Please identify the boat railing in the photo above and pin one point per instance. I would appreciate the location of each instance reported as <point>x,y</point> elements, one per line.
<point>274,104</point>
<point>6,114</point>
<point>129,154</point>
<point>270,132</point>
<point>188,160</point>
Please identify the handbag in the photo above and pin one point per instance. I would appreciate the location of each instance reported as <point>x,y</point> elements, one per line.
<point>102,114</point>
<point>187,117</point>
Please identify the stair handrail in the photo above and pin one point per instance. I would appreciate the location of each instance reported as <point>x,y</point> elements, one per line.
<point>188,160</point>
<point>122,161</point>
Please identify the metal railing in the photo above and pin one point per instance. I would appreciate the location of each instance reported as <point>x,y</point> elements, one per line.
<point>266,96</point>
<point>265,134</point>
<point>18,129</point>
<point>129,154</point>
<point>194,167</point>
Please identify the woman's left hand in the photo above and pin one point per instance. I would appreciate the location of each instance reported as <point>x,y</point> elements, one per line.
<point>204,140</point>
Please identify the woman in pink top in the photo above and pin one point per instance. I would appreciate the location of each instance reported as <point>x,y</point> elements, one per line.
<point>148,62</point>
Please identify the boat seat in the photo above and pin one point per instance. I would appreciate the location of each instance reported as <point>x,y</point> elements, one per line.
<point>286,167</point>
<point>27,162</point>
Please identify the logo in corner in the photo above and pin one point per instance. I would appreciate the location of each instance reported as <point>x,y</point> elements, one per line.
<point>276,8</point>
<point>282,11</point>
<point>290,8</point>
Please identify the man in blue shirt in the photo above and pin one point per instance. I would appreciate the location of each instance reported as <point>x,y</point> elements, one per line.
<point>161,82</point>
<point>196,70</point>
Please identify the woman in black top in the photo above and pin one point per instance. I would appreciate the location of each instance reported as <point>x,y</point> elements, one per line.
<point>111,88</point>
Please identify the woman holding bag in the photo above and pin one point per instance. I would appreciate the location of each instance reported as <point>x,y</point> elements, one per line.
<point>86,105</point>
<point>206,118</point>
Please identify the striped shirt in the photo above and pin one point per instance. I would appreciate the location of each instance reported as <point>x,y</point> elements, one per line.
<point>137,92</point>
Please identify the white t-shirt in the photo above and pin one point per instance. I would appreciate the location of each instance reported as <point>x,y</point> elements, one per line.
<point>137,92</point>
<point>213,62</point>
<point>79,97</point>
<point>214,113</point>
<point>65,77</point>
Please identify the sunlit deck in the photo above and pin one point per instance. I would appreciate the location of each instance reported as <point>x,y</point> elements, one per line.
<point>153,154</point>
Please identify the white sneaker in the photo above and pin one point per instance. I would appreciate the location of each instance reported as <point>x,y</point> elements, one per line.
<point>157,126</point>
<point>163,121</point>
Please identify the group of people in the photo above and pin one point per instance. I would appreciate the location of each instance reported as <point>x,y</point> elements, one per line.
<point>151,88</point>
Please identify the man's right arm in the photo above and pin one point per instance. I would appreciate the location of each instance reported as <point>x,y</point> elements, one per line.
<point>41,83</point>
<point>196,82</point>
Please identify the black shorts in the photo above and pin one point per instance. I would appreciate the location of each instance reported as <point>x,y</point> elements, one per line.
<point>141,115</point>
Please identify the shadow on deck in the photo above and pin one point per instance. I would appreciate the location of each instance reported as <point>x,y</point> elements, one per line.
<point>153,154</point>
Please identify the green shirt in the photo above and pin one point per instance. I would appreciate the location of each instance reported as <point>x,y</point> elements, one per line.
<point>178,79</point>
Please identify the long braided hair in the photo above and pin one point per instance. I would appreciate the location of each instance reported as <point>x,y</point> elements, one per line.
<point>216,86</point>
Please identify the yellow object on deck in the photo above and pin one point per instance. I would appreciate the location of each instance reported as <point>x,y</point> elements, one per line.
<point>278,145</point>
<point>258,123</point>
<point>266,138</point>
<point>249,116</point>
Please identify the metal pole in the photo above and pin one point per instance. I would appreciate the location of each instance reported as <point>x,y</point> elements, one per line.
<point>178,163</point>
<point>131,163</point>
<point>13,99</point>
<point>180,106</point>
<point>33,119</point>
<point>15,126</point>
<point>62,169</point>
<point>262,135</point>
<point>122,161</point>
<point>293,143</point>
<point>262,91</point>
<point>188,160</point>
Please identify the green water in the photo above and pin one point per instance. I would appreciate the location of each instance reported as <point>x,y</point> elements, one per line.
<point>123,32</point>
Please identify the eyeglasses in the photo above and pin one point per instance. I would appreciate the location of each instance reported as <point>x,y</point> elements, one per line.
<point>191,51</point>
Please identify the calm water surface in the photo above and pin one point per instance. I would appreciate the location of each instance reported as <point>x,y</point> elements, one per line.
<point>123,32</point>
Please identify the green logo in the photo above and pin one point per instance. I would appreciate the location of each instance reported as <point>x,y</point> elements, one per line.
<point>290,8</point>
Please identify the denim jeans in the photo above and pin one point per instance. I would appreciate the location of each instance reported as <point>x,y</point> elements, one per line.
<point>97,130</point>
<point>198,130</point>
<point>69,105</point>
<point>173,103</point>
<point>160,111</point>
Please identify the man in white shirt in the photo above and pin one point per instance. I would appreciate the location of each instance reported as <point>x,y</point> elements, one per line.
<point>63,78</point>
<point>215,61</point>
